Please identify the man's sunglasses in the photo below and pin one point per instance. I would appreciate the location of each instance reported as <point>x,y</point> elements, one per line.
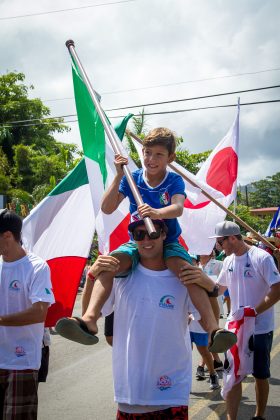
<point>139,235</point>
<point>221,240</point>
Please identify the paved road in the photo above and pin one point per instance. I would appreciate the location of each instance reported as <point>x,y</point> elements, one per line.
<point>79,385</point>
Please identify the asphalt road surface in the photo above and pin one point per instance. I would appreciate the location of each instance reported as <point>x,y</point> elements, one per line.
<point>79,385</point>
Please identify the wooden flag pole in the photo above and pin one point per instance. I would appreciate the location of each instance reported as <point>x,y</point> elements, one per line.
<point>229,212</point>
<point>111,134</point>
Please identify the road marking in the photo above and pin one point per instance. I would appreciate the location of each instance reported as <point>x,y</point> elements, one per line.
<point>210,396</point>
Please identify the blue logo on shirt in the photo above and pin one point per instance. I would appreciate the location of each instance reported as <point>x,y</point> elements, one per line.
<point>167,302</point>
<point>15,285</point>
<point>247,273</point>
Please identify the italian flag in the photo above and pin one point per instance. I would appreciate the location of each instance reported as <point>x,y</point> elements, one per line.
<point>61,228</point>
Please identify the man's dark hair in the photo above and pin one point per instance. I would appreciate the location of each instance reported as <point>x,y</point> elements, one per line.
<point>239,237</point>
<point>10,221</point>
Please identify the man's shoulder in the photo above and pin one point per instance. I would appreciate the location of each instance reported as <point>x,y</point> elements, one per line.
<point>227,260</point>
<point>36,261</point>
<point>259,254</point>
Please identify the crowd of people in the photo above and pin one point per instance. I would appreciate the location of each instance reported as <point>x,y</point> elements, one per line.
<point>157,298</point>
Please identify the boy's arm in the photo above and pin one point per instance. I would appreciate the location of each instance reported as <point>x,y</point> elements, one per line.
<point>112,197</point>
<point>175,209</point>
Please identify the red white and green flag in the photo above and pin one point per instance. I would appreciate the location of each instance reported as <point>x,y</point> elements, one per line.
<point>60,229</point>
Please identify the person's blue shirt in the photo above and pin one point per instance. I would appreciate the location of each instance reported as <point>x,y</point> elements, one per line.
<point>156,197</point>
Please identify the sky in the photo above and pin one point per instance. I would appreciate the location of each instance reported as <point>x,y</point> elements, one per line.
<point>144,51</point>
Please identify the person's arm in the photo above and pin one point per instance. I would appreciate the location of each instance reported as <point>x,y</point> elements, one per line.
<point>269,300</point>
<point>102,263</point>
<point>113,197</point>
<point>33,315</point>
<point>175,209</point>
<point>194,275</point>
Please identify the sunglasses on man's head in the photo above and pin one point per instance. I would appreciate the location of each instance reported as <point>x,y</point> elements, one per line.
<point>221,240</point>
<point>139,235</point>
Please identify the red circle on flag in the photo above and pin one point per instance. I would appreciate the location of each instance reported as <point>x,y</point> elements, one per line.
<point>222,172</point>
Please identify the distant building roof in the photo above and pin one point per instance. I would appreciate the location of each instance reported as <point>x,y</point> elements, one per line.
<point>264,211</point>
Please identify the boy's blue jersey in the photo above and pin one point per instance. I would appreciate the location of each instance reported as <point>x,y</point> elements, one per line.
<point>157,197</point>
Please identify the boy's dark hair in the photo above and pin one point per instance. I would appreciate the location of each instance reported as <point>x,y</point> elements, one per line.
<point>161,137</point>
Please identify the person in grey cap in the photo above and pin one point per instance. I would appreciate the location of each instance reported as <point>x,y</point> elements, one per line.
<point>25,295</point>
<point>253,280</point>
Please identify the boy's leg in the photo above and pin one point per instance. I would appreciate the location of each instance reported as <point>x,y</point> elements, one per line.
<point>101,291</point>
<point>87,291</point>
<point>198,296</point>
<point>207,358</point>
<point>109,328</point>
<point>233,400</point>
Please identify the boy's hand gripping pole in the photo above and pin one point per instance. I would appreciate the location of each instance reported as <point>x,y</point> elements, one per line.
<point>111,134</point>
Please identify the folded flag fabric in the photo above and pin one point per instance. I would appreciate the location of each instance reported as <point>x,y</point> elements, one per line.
<point>219,172</point>
<point>274,224</point>
<point>239,359</point>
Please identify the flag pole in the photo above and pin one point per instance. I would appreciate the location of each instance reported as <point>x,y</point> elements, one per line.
<point>229,212</point>
<point>111,134</point>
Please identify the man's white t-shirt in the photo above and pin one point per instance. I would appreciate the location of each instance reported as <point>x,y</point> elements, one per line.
<point>151,350</point>
<point>249,278</point>
<point>23,283</point>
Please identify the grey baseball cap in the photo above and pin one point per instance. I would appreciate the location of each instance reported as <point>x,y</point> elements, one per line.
<point>226,229</point>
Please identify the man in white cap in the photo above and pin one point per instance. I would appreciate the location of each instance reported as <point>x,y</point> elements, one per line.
<point>253,280</point>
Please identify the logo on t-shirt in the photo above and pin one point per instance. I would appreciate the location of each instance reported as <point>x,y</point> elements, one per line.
<point>164,198</point>
<point>167,302</point>
<point>19,351</point>
<point>164,383</point>
<point>48,292</point>
<point>247,273</point>
<point>15,285</point>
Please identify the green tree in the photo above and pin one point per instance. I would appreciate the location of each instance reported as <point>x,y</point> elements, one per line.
<point>29,154</point>
<point>5,181</point>
<point>257,223</point>
<point>191,162</point>
<point>267,193</point>
<point>16,112</point>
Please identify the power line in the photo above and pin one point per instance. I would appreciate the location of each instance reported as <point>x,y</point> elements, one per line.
<point>152,104</point>
<point>157,86</point>
<point>66,10</point>
<point>5,125</point>
<point>171,84</point>
<point>195,98</point>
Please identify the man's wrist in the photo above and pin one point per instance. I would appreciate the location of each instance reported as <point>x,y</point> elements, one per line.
<point>214,292</point>
<point>90,276</point>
